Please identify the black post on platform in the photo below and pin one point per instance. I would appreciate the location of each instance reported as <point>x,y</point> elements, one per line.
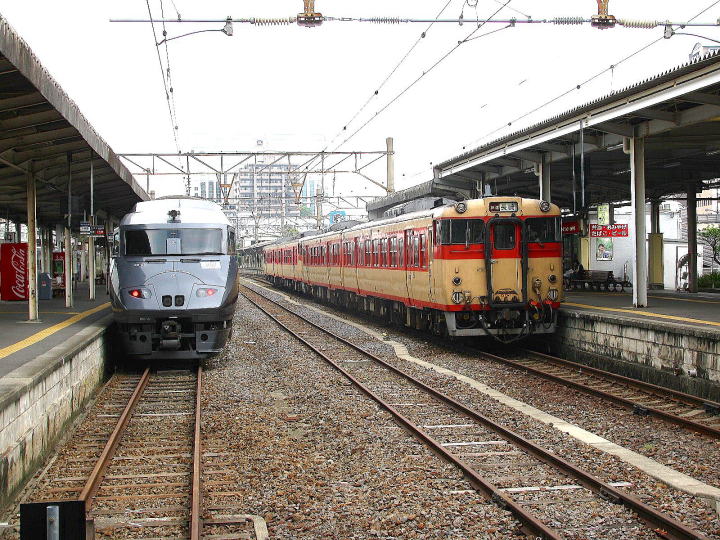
<point>59,520</point>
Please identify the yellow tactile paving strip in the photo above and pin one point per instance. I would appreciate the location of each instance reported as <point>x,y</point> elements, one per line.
<point>47,332</point>
<point>643,313</point>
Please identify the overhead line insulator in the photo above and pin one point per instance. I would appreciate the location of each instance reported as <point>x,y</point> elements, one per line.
<point>629,23</point>
<point>568,20</point>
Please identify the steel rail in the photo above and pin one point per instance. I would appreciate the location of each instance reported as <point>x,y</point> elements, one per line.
<point>106,456</point>
<point>658,390</point>
<point>196,497</point>
<point>533,524</point>
<point>667,527</point>
<point>685,422</point>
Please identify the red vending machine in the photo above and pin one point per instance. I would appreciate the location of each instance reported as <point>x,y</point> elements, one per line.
<point>13,272</point>
<point>58,271</point>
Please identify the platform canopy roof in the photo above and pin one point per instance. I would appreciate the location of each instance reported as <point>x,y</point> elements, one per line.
<point>42,128</point>
<point>677,112</point>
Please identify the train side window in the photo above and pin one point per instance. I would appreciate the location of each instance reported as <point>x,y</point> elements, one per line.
<point>413,251</point>
<point>394,252</point>
<point>423,251</point>
<point>368,253</point>
<point>383,252</point>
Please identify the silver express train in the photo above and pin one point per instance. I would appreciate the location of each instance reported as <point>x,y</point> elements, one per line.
<point>173,279</point>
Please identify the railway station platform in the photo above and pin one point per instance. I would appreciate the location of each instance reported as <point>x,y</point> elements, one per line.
<point>701,310</point>
<point>22,341</point>
<point>675,342</point>
<point>48,371</point>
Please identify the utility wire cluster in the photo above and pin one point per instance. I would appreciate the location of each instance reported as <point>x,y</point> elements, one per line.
<point>315,19</point>
<point>584,83</point>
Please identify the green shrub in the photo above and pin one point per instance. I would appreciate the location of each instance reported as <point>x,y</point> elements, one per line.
<point>709,280</point>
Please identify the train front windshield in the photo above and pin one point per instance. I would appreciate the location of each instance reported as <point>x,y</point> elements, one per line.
<point>173,242</point>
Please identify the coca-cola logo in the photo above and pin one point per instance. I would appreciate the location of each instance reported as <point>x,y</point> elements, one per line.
<point>17,261</point>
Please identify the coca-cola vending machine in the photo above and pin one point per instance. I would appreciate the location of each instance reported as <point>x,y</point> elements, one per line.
<point>13,272</point>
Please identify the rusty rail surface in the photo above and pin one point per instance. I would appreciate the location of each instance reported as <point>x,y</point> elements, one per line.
<point>103,461</point>
<point>196,497</point>
<point>627,383</point>
<point>664,525</point>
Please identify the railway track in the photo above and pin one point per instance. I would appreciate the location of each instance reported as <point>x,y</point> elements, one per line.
<point>548,495</point>
<point>643,398</point>
<point>136,463</point>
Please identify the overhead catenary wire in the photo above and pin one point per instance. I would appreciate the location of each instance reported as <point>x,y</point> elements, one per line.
<point>469,37</point>
<point>168,70</point>
<point>588,80</point>
<point>162,73</point>
<point>629,23</point>
<point>389,75</point>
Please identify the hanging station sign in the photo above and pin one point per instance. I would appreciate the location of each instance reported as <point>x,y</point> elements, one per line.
<point>571,227</point>
<point>86,229</point>
<point>619,230</point>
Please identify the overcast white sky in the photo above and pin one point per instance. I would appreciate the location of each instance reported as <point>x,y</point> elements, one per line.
<point>295,87</point>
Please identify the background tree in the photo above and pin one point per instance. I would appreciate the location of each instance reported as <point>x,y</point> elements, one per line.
<point>711,236</point>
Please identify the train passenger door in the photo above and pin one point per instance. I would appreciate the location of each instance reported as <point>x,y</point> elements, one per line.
<point>416,263</point>
<point>505,263</point>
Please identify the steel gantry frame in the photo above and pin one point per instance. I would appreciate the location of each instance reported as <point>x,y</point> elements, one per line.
<point>227,168</point>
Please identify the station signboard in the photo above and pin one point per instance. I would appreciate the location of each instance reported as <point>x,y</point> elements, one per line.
<point>619,230</point>
<point>571,227</point>
<point>86,229</point>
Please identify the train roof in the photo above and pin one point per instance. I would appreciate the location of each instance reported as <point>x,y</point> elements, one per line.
<point>446,210</point>
<point>191,210</point>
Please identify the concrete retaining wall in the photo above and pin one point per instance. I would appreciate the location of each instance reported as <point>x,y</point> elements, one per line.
<point>686,358</point>
<point>39,399</point>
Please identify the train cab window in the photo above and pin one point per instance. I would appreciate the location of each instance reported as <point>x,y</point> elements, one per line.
<point>460,231</point>
<point>544,229</point>
<point>504,235</point>
<point>174,242</point>
<point>231,242</point>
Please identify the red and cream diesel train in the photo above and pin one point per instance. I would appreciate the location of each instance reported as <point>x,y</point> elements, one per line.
<point>490,266</point>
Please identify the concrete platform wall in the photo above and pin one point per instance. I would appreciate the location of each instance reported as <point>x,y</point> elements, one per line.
<point>39,399</point>
<point>685,358</point>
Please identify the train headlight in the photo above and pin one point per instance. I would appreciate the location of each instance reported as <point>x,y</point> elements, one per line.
<point>461,207</point>
<point>553,295</point>
<point>552,278</point>
<point>544,206</point>
<point>456,281</point>
<point>206,291</point>
<point>139,293</point>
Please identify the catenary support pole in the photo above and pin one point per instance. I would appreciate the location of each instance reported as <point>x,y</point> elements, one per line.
<point>68,242</point>
<point>390,165</point>
<point>32,245</point>
<point>545,194</point>
<point>91,238</point>
<point>656,268</point>
<point>692,238</point>
<point>637,225</point>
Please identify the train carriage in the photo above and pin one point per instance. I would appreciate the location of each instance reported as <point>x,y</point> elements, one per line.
<point>490,266</point>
